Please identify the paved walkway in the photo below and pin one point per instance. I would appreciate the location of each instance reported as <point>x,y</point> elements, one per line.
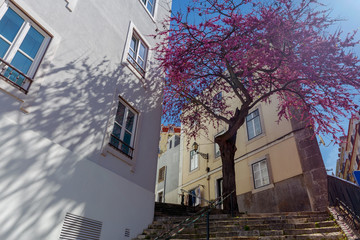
<point>350,234</point>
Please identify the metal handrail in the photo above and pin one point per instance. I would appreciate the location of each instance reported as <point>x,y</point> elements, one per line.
<point>187,222</point>
<point>348,212</point>
<point>25,85</point>
<point>122,143</point>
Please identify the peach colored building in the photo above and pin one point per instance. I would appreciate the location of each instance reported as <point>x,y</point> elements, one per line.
<point>278,166</point>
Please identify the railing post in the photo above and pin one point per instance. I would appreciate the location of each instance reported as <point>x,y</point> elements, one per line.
<point>208,225</point>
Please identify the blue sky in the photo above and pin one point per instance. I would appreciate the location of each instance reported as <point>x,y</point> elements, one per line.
<point>349,10</point>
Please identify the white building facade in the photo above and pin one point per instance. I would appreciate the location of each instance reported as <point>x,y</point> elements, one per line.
<point>80,96</point>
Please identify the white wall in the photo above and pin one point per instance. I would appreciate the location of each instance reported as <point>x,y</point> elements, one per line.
<point>50,156</point>
<point>40,181</point>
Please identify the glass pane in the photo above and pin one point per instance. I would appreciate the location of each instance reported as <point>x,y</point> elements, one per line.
<point>257,125</point>
<point>21,62</point>
<point>149,7</point>
<point>4,46</point>
<point>133,47</point>
<point>263,165</point>
<point>250,128</point>
<point>142,51</point>
<point>114,142</point>
<point>256,175</point>
<point>257,183</point>
<point>196,161</point>
<point>140,62</point>
<point>144,1</point>
<point>117,130</point>
<point>10,24</point>
<point>256,167</point>
<point>127,139</point>
<point>14,76</point>
<point>119,118</point>
<point>130,121</point>
<point>32,42</point>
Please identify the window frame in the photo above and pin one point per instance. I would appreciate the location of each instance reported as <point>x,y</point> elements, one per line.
<point>215,144</point>
<point>145,4</point>
<point>15,45</point>
<point>133,61</point>
<point>131,146</point>
<point>161,176</point>
<point>260,174</point>
<point>252,121</point>
<point>193,157</point>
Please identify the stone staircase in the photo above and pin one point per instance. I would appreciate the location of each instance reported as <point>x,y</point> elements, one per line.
<point>295,225</point>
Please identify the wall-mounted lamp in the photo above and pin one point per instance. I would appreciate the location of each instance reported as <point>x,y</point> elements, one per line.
<point>195,147</point>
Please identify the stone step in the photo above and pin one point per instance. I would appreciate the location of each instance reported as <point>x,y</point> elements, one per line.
<point>234,225</point>
<point>315,236</point>
<point>232,231</point>
<point>240,221</point>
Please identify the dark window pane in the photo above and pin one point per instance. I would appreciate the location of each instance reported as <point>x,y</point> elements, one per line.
<point>32,42</point>
<point>114,142</point>
<point>21,62</point>
<point>130,121</point>
<point>127,138</point>
<point>4,46</point>
<point>10,24</point>
<point>120,113</point>
<point>116,131</point>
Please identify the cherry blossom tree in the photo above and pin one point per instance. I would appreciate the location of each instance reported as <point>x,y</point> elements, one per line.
<point>251,51</point>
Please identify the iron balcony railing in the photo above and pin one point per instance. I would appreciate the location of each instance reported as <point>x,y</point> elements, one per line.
<point>133,62</point>
<point>14,77</point>
<point>118,144</point>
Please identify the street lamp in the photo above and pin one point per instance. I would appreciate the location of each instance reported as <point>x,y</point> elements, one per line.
<point>195,147</point>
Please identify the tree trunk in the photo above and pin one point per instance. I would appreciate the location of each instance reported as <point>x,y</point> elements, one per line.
<point>228,149</point>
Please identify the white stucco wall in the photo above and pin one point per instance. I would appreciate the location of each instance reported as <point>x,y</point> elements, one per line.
<point>52,157</point>
<point>40,181</point>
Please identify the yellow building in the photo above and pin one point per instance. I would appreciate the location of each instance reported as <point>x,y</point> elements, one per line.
<point>166,133</point>
<point>349,151</point>
<point>278,166</point>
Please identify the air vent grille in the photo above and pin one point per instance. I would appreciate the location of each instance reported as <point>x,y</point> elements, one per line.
<point>127,232</point>
<point>76,227</point>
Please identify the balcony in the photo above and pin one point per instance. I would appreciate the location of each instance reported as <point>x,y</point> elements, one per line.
<point>14,77</point>
<point>138,68</point>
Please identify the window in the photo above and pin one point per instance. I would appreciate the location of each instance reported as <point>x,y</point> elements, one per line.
<point>161,174</point>
<point>149,4</point>
<point>217,148</point>
<point>170,144</point>
<point>22,45</point>
<point>194,160</point>
<point>137,54</point>
<point>260,174</point>
<point>122,136</point>
<point>253,124</point>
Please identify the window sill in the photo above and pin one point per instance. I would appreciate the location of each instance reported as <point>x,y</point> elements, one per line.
<point>256,190</point>
<point>255,138</point>
<point>135,71</point>
<point>118,154</point>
